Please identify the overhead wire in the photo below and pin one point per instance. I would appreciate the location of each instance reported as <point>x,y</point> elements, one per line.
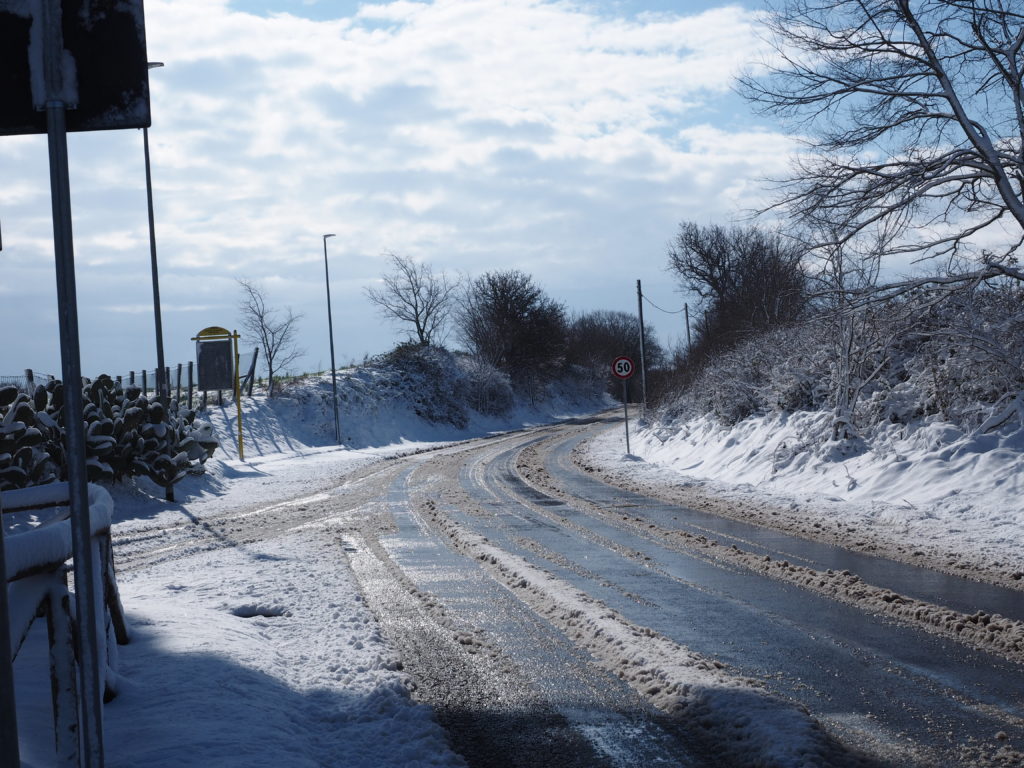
<point>660,309</point>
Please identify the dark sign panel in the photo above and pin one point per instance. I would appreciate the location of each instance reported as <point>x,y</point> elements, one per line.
<point>104,65</point>
<point>215,361</point>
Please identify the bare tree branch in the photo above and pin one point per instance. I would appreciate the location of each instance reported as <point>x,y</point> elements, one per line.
<point>276,334</point>
<point>413,294</point>
<point>914,118</point>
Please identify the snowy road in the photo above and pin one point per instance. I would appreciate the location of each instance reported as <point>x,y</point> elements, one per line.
<point>552,620</point>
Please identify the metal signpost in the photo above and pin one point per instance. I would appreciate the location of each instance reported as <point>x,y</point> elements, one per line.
<point>74,65</point>
<point>623,369</point>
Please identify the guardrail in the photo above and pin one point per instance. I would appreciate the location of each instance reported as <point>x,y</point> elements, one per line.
<point>35,561</point>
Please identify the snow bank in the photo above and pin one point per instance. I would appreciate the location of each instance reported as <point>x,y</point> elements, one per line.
<point>928,483</point>
<point>377,407</point>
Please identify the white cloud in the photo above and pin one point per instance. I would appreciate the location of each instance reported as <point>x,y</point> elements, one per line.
<point>474,134</point>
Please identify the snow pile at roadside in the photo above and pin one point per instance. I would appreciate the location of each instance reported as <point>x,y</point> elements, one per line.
<point>927,483</point>
<point>376,408</point>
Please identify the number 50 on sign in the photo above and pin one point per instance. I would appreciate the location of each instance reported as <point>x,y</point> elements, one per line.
<point>623,368</point>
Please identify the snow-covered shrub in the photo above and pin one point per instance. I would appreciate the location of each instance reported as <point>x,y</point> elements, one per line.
<point>489,391</point>
<point>126,433</point>
<point>953,356</point>
<point>963,357</point>
<point>780,370</point>
<point>431,379</point>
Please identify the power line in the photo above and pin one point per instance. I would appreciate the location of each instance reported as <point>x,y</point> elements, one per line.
<point>666,311</point>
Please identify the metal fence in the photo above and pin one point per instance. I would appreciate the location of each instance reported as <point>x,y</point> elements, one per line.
<point>182,384</point>
<point>26,382</point>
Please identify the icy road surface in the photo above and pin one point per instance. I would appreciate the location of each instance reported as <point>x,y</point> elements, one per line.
<point>550,619</point>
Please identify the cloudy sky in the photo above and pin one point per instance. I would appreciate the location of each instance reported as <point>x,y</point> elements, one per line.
<point>564,139</point>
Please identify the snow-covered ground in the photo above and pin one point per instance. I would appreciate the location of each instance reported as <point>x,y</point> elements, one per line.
<point>263,655</point>
<point>266,654</point>
<point>926,493</point>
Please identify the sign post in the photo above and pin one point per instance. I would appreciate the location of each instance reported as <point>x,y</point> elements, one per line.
<point>74,65</point>
<point>623,369</point>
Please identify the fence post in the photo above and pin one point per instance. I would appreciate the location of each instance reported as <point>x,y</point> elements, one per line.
<point>119,380</point>
<point>177,394</point>
<point>190,385</point>
<point>30,382</point>
<point>131,378</point>
<point>145,388</point>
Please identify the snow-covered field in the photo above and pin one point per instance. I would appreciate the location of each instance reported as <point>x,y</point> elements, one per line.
<point>266,655</point>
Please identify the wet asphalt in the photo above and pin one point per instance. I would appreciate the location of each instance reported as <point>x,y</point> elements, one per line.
<point>511,689</point>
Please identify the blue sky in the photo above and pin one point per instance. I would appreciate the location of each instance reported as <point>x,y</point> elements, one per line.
<point>565,139</point>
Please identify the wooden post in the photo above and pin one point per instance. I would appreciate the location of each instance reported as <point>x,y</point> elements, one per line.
<point>112,594</point>
<point>62,674</point>
<point>177,395</point>
<point>131,378</point>
<point>30,382</point>
<point>145,387</point>
<point>190,385</point>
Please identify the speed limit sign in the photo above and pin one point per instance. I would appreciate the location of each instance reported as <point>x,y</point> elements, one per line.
<point>623,368</point>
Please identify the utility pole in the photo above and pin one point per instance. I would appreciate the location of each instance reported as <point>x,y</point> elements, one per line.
<point>686,313</point>
<point>330,332</point>
<point>643,364</point>
<point>162,385</point>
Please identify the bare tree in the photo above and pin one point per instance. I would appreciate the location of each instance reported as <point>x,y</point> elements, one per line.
<point>275,330</point>
<point>413,294</point>
<point>914,116</point>
<point>748,280</point>
<point>596,338</point>
<point>508,321</point>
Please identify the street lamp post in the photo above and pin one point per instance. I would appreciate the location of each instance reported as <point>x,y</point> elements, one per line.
<point>162,389</point>
<point>330,331</point>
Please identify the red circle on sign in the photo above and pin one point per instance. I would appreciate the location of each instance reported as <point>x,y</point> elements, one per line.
<point>623,367</point>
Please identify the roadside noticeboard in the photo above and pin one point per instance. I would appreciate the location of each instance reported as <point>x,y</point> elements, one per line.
<point>215,364</point>
<point>103,69</point>
<point>217,367</point>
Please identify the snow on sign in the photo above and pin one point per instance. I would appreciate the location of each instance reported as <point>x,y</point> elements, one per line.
<point>103,69</point>
<point>623,367</point>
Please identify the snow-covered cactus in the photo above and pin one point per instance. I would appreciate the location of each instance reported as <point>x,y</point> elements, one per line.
<point>126,433</point>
